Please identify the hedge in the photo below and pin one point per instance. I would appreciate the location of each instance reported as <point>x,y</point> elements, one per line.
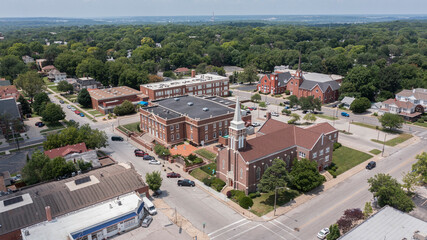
<point>246,202</point>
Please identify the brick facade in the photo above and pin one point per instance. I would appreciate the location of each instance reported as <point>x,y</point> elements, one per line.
<point>104,100</point>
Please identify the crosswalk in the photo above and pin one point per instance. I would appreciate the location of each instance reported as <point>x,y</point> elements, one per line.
<point>247,229</point>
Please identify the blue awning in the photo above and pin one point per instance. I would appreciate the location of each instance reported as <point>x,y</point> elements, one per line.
<point>143,103</point>
<point>102,226</point>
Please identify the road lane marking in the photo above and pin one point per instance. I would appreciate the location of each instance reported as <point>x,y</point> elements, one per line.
<point>230,230</point>
<point>247,230</point>
<point>226,226</point>
<point>275,220</point>
<point>274,232</point>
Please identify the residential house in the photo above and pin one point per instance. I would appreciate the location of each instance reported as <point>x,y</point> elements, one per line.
<point>182,71</point>
<point>105,100</point>
<point>242,162</point>
<point>74,153</point>
<point>56,76</point>
<point>416,96</point>
<point>407,110</point>
<point>347,101</point>
<point>88,83</point>
<point>10,109</point>
<point>27,59</point>
<point>9,92</point>
<point>75,208</point>
<point>200,120</point>
<point>48,68</point>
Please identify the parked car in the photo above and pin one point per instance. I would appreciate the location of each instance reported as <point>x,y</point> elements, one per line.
<point>286,102</point>
<point>274,114</point>
<point>287,107</point>
<point>371,165</point>
<point>186,182</point>
<point>173,175</point>
<point>335,105</point>
<point>154,162</point>
<point>81,115</point>
<point>117,138</point>
<point>73,109</point>
<point>323,233</point>
<point>37,124</point>
<point>148,157</point>
<point>61,101</point>
<point>147,221</point>
<point>136,150</point>
<point>141,153</point>
<point>255,124</point>
<point>77,112</point>
<point>69,106</point>
<point>344,114</point>
<point>305,111</point>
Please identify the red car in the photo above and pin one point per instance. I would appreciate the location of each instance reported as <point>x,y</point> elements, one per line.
<point>77,112</point>
<point>173,175</point>
<point>140,153</point>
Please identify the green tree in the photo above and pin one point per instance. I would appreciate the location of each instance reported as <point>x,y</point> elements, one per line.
<point>40,101</point>
<point>334,232</point>
<point>410,180</point>
<point>148,41</point>
<point>53,113</point>
<point>68,62</point>
<point>391,121</point>
<point>305,175</point>
<point>249,74</point>
<point>56,168</point>
<point>293,101</point>
<point>367,210</point>
<point>310,117</point>
<point>84,98</point>
<point>94,68</point>
<point>169,74</point>
<point>360,105</point>
<point>19,49</point>
<point>295,118</point>
<point>36,47</point>
<point>124,109</point>
<point>133,78</point>
<point>420,167</point>
<point>154,180</point>
<point>11,66</point>
<point>64,86</point>
<point>275,176</point>
<point>32,171</point>
<point>30,83</point>
<point>256,97</point>
<point>389,192</point>
<point>262,105</point>
<point>25,106</point>
<point>160,150</point>
<point>84,166</point>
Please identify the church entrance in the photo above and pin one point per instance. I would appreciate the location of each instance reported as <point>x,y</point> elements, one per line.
<point>230,182</point>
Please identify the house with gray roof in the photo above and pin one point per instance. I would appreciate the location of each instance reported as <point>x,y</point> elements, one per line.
<point>416,96</point>
<point>347,101</point>
<point>9,109</point>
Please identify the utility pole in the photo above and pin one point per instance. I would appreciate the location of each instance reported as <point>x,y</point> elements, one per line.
<point>382,153</point>
<point>275,198</point>
<point>348,125</point>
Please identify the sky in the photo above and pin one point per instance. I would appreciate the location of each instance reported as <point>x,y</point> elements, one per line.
<point>116,8</point>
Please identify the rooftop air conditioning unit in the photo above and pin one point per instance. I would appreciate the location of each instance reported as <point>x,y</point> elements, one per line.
<point>190,103</point>
<point>205,109</point>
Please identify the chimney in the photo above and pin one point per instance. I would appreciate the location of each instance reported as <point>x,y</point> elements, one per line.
<point>48,213</point>
<point>268,116</point>
<point>193,73</point>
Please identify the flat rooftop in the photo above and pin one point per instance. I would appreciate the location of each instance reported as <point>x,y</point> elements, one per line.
<point>198,108</point>
<point>61,227</point>
<point>316,77</point>
<point>388,223</point>
<point>186,81</point>
<point>110,93</point>
<point>163,112</point>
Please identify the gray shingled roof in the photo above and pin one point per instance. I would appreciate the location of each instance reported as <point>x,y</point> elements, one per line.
<point>309,85</point>
<point>8,106</point>
<point>114,181</point>
<point>5,83</point>
<point>388,223</point>
<point>284,78</point>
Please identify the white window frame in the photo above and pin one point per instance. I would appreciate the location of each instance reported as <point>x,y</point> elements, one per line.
<point>321,152</point>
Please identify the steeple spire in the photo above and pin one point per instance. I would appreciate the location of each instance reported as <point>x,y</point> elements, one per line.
<point>237,112</point>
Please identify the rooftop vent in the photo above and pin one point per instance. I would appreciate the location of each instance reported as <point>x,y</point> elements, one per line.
<point>176,99</point>
<point>82,180</point>
<point>12,201</point>
<point>190,103</point>
<point>205,109</point>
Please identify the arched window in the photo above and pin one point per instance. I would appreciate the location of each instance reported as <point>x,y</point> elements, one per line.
<point>223,164</point>
<point>241,173</point>
<point>265,167</point>
<point>258,173</point>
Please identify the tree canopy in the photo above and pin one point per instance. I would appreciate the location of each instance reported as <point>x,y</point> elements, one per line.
<point>52,113</point>
<point>305,175</point>
<point>84,98</point>
<point>360,105</point>
<point>30,83</point>
<point>391,121</point>
<point>154,180</point>
<point>275,176</point>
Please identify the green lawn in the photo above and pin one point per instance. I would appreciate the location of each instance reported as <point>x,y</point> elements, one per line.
<point>70,97</point>
<point>367,125</point>
<point>393,142</point>
<point>424,124</point>
<point>133,127</point>
<point>54,88</point>
<point>199,174</point>
<point>208,168</point>
<point>52,127</point>
<point>206,154</point>
<point>265,203</point>
<point>375,151</point>
<point>95,113</point>
<point>346,158</point>
<point>326,117</point>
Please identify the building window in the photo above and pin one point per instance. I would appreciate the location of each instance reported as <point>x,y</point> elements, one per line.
<point>214,125</point>
<point>225,131</point>
<point>315,155</point>
<point>177,136</point>
<point>191,127</point>
<point>317,90</point>
<point>191,136</point>
<point>225,123</point>
<point>326,158</point>
<point>172,128</point>
<point>265,167</point>
<point>258,173</point>
<point>177,126</point>
<point>220,124</point>
<point>327,150</point>
<point>214,135</point>
<point>129,223</point>
<point>112,228</point>
<point>301,154</point>
<point>223,164</point>
<point>172,137</point>
<point>206,137</point>
<point>241,173</point>
<point>321,152</point>
<point>220,133</point>
<point>206,127</point>
<point>330,137</point>
<point>335,135</point>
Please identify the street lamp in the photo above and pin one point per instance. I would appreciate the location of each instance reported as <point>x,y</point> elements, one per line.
<point>382,153</point>
<point>275,198</point>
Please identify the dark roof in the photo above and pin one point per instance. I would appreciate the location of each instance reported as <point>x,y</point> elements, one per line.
<point>114,181</point>
<point>195,110</point>
<point>309,85</point>
<point>88,82</point>
<point>8,106</point>
<point>270,139</point>
<point>283,78</point>
<point>4,83</point>
<point>162,112</point>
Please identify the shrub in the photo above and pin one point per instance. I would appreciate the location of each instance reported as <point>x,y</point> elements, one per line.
<point>375,114</point>
<point>280,104</point>
<point>236,195</point>
<point>252,195</point>
<point>333,173</point>
<point>197,161</point>
<point>217,184</point>
<point>192,157</point>
<point>258,194</point>
<point>246,202</point>
<point>344,224</point>
<point>228,194</point>
<point>337,145</point>
<point>353,214</point>
<point>207,181</point>
<point>287,92</point>
<point>420,120</point>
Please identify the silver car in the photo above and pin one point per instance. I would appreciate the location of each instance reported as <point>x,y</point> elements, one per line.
<point>154,162</point>
<point>147,221</point>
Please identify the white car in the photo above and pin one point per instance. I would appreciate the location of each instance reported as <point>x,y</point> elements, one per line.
<point>255,124</point>
<point>73,109</point>
<point>322,234</point>
<point>274,114</point>
<point>69,106</point>
<point>154,161</point>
